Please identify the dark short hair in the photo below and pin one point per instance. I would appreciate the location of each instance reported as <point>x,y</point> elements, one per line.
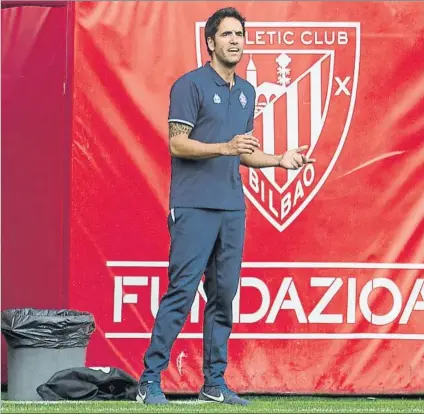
<point>215,20</point>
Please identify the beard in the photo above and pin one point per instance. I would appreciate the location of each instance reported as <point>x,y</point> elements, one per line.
<point>228,63</point>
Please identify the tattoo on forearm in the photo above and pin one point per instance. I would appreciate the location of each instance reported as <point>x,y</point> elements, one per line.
<point>177,128</point>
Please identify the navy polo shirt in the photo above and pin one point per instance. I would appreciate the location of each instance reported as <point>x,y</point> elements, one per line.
<point>203,100</point>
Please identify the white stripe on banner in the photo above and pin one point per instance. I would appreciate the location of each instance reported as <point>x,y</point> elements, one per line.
<point>292,123</point>
<point>273,336</point>
<point>268,138</point>
<point>287,265</point>
<point>316,103</point>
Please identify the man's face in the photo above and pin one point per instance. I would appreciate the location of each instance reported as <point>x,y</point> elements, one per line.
<point>227,47</point>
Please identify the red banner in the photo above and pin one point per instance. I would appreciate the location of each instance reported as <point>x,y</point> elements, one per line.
<point>331,295</point>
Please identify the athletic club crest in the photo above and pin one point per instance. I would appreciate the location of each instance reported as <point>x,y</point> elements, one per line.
<point>305,75</point>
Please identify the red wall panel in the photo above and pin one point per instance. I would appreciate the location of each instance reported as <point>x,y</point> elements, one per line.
<point>35,170</point>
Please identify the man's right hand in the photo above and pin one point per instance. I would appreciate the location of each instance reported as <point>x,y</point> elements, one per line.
<point>241,144</point>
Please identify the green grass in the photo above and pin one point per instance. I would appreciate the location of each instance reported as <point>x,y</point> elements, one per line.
<point>260,404</point>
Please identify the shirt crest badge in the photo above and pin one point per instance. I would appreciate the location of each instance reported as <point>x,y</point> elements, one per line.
<point>243,99</point>
<point>216,99</point>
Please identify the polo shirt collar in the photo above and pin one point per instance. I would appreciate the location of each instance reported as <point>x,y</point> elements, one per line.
<point>219,80</point>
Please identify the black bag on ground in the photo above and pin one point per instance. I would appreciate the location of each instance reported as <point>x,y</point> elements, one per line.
<point>90,385</point>
<point>38,328</point>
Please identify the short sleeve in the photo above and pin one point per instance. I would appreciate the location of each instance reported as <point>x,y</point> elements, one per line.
<point>184,102</point>
<point>249,129</point>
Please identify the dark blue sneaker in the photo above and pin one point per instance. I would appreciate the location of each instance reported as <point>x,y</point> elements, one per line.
<point>221,394</point>
<point>151,393</point>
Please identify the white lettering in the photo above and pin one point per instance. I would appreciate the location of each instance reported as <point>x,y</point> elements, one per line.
<point>271,37</point>
<point>329,38</point>
<point>351,300</point>
<point>342,86</point>
<point>413,303</point>
<point>247,41</point>
<point>117,300</point>
<point>334,285</point>
<point>120,297</point>
<point>298,192</point>
<point>288,38</point>
<point>397,301</point>
<point>154,296</point>
<point>342,38</point>
<point>281,207</point>
<point>304,39</point>
<point>259,40</point>
<point>262,190</point>
<point>263,309</point>
<point>308,171</point>
<point>287,298</point>
<point>286,205</point>
<point>253,180</point>
<point>317,40</point>
<point>324,38</point>
<point>281,303</point>
<point>271,206</point>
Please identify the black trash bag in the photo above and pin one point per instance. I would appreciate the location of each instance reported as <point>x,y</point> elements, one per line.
<point>37,328</point>
<point>88,384</point>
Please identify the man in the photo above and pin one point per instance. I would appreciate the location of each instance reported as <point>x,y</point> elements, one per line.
<point>210,125</point>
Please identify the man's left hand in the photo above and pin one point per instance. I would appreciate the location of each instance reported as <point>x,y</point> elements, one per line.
<point>294,159</point>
